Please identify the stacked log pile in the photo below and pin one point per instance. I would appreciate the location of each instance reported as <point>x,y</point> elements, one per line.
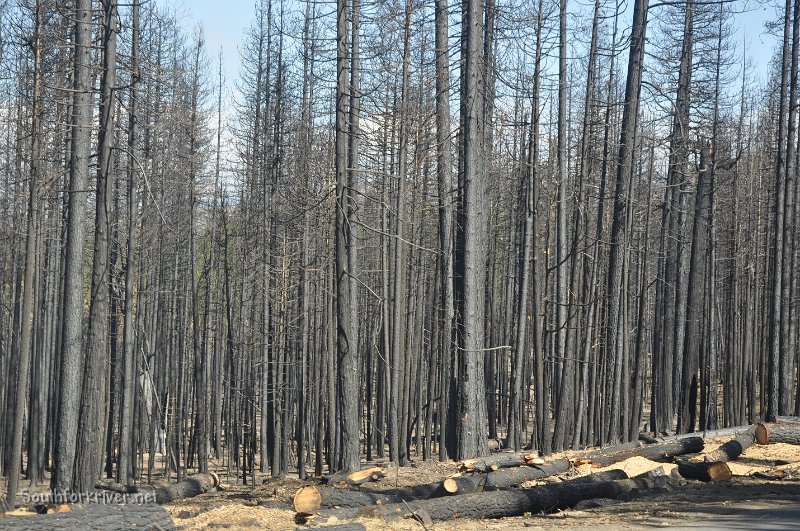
<point>489,487</point>
<point>485,487</point>
<point>492,504</point>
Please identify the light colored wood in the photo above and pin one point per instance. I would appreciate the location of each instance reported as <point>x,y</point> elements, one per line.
<point>307,499</point>
<point>762,434</point>
<point>368,474</point>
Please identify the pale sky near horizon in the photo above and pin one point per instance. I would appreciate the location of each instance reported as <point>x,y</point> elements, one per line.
<point>224,23</point>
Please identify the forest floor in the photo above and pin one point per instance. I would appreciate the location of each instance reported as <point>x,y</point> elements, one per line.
<point>765,485</point>
<point>754,487</point>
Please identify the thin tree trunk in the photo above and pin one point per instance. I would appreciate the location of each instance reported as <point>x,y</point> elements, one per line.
<point>26,330</point>
<point>95,385</point>
<point>72,314</point>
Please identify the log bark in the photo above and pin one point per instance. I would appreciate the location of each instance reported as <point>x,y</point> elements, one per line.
<point>732,449</point>
<point>494,504</point>
<point>706,434</point>
<point>705,471</point>
<point>501,460</point>
<point>772,432</point>
<point>656,452</point>
<point>787,420</point>
<point>355,478</point>
<point>504,477</point>
<point>116,487</point>
<point>94,516</point>
<point>189,487</point>
<point>313,498</point>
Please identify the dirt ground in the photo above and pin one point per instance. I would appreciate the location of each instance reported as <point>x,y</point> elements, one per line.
<point>764,477</point>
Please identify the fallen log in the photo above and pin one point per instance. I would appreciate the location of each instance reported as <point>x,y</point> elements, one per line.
<point>705,471</point>
<point>731,450</point>
<point>787,420</point>
<point>191,486</point>
<point>320,496</point>
<point>706,434</point>
<point>784,432</point>
<point>116,487</point>
<point>315,497</point>
<point>504,477</point>
<point>94,516</point>
<point>355,478</point>
<point>655,452</point>
<point>494,504</point>
<point>497,461</point>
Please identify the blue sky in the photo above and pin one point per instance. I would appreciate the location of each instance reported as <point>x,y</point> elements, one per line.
<point>224,22</point>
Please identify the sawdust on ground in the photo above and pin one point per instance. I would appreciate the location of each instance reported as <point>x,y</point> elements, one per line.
<point>268,506</point>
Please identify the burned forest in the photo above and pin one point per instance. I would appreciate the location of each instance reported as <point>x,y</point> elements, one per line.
<point>404,231</point>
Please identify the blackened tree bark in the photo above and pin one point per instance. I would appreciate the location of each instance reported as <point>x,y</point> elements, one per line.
<point>775,352</point>
<point>72,313</point>
<point>125,468</point>
<point>91,435</point>
<point>565,396</point>
<point>615,336</point>
<point>471,428</point>
<point>346,314</point>
<point>444,171</point>
<point>200,363</point>
<point>519,354</point>
<point>26,330</point>
<point>786,362</point>
<point>585,166</point>
<point>669,304</point>
<point>687,415</point>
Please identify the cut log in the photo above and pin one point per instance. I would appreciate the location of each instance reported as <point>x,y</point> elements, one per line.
<point>94,516</point>
<point>705,471</point>
<point>497,461</point>
<point>316,497</point>
<point>312,498</point>
<point>784,432</point>
<point>787,420</point>
<point>661,451</point>
<point>732,449</point>
<point>504,477</point>
<point>707,434</point>
<point>191,486</point>
<point>614,474</point>
<point>494,504</point>
<point>362,476</point>
<point>355,478</point>
<point>116,487</point>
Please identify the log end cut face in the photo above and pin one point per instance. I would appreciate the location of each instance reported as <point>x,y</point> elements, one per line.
<point>762,434</point>
<point>307,499</point>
